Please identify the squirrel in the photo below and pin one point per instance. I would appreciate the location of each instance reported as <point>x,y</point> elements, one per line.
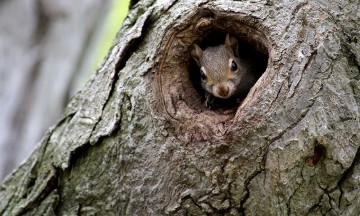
<point>223,73</point>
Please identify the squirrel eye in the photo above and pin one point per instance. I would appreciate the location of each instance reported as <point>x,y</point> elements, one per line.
<point>233,66</point>
<point>202,75</point>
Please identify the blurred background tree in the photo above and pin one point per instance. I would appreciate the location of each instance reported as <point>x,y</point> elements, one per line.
<point>48,49</point>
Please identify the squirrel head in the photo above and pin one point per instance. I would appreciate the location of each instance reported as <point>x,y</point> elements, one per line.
<point>220,69</point>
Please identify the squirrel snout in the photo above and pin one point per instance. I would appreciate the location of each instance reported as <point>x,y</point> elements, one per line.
<point>223,91</point>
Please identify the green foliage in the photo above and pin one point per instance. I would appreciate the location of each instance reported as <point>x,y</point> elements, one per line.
<point>114,21</point>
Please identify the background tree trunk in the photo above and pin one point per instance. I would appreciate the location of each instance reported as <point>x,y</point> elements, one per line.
<point>46,50</point>
<point>138,139</point>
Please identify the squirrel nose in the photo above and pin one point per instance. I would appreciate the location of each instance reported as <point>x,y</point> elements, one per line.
<point>223,91</point>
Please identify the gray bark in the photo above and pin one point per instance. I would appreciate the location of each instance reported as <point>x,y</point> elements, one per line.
<point>138,139</point>
<point>46,46</point>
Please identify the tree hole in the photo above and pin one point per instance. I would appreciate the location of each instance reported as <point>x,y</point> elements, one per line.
<point>182,98</point>
<point>319,154</point>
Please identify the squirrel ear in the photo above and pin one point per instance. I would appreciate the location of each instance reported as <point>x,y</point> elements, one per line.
<point>231,44</point>
<point>196,53</point>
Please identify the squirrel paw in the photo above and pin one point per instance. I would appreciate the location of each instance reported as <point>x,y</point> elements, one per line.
<point>209,100</point>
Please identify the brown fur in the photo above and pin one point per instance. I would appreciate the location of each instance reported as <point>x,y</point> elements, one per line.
<point>221,81</point>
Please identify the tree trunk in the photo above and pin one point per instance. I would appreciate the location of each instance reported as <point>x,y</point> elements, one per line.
<point>139,140</point>
<point>46,47</point>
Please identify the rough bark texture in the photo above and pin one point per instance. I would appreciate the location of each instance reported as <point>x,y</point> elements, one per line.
<point>46,51</point>
<point>138,140</point>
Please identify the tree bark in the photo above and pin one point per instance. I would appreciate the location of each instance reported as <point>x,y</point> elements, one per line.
<point>46,47</point>
<point>138,139</point>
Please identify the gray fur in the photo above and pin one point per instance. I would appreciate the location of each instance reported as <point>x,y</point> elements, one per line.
<point>217,67</point>
<point>215,60</point>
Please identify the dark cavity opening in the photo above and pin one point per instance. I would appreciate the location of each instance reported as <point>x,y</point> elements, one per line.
<point>319,154</point>
<point>252,52</point>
